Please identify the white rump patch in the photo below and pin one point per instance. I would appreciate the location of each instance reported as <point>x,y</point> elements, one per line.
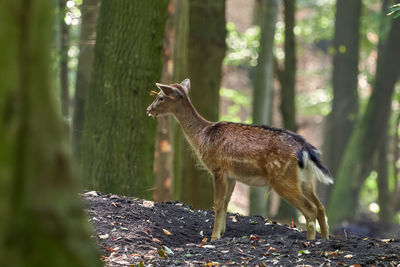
<point>311,171</point>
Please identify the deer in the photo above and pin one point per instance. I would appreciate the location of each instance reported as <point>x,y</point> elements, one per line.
<point>256,155</point>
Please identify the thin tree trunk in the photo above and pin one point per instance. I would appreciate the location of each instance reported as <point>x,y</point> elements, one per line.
<point>288,83</point>
<point>366,139</point>
<point>118,137</point>
<point>385,210</point>
<point>90,10</point>
<point>263,87</point>
<point>180,55</point>
<point>42,220</point>
<point>64,46</point>
<point>163,163</point>
<point>205,54</point>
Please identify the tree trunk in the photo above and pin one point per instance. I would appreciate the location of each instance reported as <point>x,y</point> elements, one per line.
<point>205,54</point>
<point>263,87</point>
<point>118,137</point>
<point>163,163</point>
<point>385,209</point>
<point>342,118</point>
<point>370,131</point>
<point>288,83</point>
<point>64,46</point>
<point>42,220</point>
<point>180,55</point>
<point>90,12</point>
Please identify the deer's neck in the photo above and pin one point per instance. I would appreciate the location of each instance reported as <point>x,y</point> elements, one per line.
<point>192,123</point>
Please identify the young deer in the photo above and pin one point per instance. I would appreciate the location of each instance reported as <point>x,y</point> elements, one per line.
<point>252,154</point>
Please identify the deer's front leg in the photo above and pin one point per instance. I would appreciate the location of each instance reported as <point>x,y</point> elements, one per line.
<point>220,191</point>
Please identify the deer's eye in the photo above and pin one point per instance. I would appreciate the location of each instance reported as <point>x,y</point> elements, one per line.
<point>161,98</point>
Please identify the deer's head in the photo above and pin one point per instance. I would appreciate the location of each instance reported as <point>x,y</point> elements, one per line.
<point>169,97</point>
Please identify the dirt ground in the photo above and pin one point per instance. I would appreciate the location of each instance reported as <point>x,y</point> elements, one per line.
<point>131,231</point>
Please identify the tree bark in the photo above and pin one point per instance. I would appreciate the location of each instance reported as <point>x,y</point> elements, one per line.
<point>42,220</point>
<point>342,118</point>
<point>90,10</point>
<point>263,87</point>
<point>369,133</point>
<point>180,72</point>
<point>163,163</point>
<point>288,85</point>
<point>118,137</point>
<point>206,50</point>
<point>64,46</point>
<point>385,209</point>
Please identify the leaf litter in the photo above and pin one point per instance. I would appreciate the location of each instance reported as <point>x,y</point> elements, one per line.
<point>135,232</point>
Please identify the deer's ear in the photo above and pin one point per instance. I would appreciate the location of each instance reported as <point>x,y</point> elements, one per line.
<point>166,89</point>
<point>186,85</point>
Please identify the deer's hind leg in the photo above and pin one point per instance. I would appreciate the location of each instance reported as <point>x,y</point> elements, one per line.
<point>289,188</point>
<point>310,193</point>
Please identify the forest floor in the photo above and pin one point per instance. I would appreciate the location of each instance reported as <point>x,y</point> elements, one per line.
<point>132,231</point>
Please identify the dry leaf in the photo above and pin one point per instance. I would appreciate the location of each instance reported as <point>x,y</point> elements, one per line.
<point>103,236</point>
<point>166,232</point>
<point>148,204</point>
<point>204,241</point>
<point>348,256</point>
<point>254,237</point>
<point>156,240</point>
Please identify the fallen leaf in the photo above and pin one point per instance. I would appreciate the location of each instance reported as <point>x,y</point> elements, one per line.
<point>148,230</point>
<point>348,256</point>
<point>148,204</point>
<point>91,194</point>
<point>156,240</point>
<point>300,252</point>
<point>162,253</point>
<point>208,246</point>
<point>105,236</point>
<point>254,237</point>
<point>179,249</point>
<point>233,218</point>
<point>166,232</point>
<point>114,204</point>
<point>204,241</point>
<point>212,264</point>
<point>167,250</point>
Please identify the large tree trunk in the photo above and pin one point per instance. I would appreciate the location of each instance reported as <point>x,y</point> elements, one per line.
<point>369,133</point>
<point>118,138</point>
<point>205,54</point>
<point>342,118</point>
<point>263,86</point>
<point>42,220</point>
<point>90,12</point>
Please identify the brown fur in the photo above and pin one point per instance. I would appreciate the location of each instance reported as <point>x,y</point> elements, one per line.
<point>256,155</point>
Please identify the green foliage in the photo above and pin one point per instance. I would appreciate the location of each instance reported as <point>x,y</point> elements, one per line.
<point>319,22</point>
<point>315,102</point>
<point>239,100</point>
<point>395,11</point>
<point>242,48</point>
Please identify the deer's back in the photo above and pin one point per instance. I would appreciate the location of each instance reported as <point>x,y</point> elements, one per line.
<point>249,150</point>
